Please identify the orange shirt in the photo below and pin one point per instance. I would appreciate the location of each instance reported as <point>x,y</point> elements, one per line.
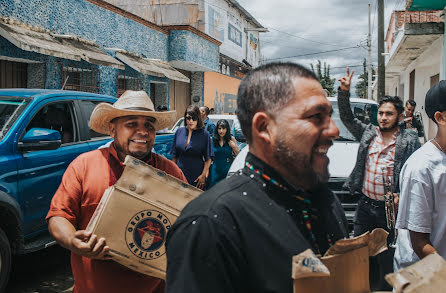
<point>76,199</point>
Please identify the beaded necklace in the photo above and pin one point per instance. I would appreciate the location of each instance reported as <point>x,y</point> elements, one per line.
<point>304,212</point>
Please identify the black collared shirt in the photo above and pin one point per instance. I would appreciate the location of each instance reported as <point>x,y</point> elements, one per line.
<point>241,235</point>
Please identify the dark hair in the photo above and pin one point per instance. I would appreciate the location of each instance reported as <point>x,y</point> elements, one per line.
<point>411,102</point>
<point>206,110</point>
<point>216,138</point>
<point>161,108</point>
<point>267,88</point>
<point>194,112</point>
<point>395,100</point>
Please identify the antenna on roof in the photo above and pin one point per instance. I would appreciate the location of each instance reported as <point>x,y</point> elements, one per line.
<point>65,82</point>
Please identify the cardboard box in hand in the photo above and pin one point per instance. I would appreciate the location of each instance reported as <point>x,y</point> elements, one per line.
<point>135,214</point>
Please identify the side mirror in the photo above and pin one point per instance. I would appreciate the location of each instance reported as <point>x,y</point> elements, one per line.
<point>37,139</point>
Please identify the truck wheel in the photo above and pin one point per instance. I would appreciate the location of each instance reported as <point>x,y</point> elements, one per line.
<point>5,260</point>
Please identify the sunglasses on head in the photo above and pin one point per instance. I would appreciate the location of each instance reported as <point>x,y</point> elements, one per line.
<point>191,117</point>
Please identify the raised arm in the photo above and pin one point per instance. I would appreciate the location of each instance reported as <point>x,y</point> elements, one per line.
<point>354,125</point>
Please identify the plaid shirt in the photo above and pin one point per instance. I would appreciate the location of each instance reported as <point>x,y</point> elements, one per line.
<point>379,156</point>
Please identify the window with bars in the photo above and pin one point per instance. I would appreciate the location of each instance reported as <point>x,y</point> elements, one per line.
<point>13,74</point>
<point>126,82</point>
<point>81,79</point>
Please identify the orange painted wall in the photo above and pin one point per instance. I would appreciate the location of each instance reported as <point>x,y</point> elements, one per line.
<point>220,92</point>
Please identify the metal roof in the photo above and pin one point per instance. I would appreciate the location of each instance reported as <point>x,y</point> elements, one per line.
<point>67,47</point>
<point>28,93</point>
<point>250,17</point>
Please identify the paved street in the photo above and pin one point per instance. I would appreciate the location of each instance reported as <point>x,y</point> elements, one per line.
<point>46,271</point>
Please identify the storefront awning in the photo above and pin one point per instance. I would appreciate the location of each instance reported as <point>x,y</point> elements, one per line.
<point>171,72</point>
<point>151,67</point>
<point>21,60</point>
<point>92,54</point>
<point>44,43</point>
<point>34,41</point>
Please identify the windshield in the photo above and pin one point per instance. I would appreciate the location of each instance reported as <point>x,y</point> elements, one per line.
<point>365,112</point>
<point>180,123</point>
<point>213,120</point>
<point>10,109</point>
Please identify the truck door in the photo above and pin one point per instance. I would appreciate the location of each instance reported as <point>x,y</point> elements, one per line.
<point>40,172</point>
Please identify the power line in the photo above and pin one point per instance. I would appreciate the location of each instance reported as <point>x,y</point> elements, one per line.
<point>291,35</point>
<point>284,46</point>
<point>277,30</point>
<point>316,53</point>
<point>349,66</point>
<point>299,48</point>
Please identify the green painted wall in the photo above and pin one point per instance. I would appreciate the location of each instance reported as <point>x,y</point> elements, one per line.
<point>420,5</point>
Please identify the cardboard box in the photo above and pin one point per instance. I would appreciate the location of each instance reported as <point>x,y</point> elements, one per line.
<point>344,268</point>
<point>135,214</point>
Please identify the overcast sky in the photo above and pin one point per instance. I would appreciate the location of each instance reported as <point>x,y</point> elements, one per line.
<point>325,24</point>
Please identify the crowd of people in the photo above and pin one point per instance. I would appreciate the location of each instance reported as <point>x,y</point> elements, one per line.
<point>200,145</point>
<point>240,235</point>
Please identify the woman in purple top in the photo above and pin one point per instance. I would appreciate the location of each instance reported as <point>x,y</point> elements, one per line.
<point>192,148</point>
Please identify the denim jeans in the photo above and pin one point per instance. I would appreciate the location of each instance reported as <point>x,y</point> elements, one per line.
<point>370,214</point>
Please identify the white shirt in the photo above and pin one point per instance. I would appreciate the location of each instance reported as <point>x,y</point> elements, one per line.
<point>422,206</point>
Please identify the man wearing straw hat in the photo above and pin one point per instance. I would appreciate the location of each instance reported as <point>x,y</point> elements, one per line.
<point>131,122</point>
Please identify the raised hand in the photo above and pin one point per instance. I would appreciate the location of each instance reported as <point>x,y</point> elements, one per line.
<point>346,80</point>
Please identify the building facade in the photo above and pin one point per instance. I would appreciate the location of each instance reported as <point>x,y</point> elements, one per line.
<point>94,46</point>
<point>224,20</point>
<point>414,43</point>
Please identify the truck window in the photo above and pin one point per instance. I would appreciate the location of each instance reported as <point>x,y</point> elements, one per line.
<point>365,112</point>
<point>57,116</point>
<point>88,107</point>
<point>10,110</point>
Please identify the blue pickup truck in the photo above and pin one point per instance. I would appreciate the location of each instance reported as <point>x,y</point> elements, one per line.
<point>41,132</point>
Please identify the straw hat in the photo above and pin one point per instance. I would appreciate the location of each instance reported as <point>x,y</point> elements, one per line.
<point>130,103</point>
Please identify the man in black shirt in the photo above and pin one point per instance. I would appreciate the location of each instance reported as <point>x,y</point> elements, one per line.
<point>411,121</point>
<point>240,235</point>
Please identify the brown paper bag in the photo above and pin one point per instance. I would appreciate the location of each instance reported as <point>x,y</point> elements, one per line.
<point>426,275</point>
<point>347,262</point>
<point>136,213</point>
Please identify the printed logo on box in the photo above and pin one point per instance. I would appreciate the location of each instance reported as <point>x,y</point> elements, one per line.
<point>145,234</point>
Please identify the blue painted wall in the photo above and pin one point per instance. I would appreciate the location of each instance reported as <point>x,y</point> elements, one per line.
<point>108,30</point>
<point>89,21</point>
<point>187,46</point>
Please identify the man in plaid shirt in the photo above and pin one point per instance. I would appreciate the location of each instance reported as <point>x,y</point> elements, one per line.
<point>382,149</point>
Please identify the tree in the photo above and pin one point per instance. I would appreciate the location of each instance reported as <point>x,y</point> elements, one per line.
<point>363,83</point>
<point>324,77</point>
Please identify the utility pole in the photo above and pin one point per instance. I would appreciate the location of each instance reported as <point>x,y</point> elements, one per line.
<point>369,75</point>
<point>381,65</point>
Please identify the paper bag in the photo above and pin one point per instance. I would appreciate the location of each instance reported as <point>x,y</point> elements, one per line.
<point>135,214</point>
<point>426,275</point>
<point>347,264</point>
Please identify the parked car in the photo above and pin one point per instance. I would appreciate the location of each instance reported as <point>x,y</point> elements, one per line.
<point>41,132</point>
<point>234,125</point>
<point>342,154</point>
